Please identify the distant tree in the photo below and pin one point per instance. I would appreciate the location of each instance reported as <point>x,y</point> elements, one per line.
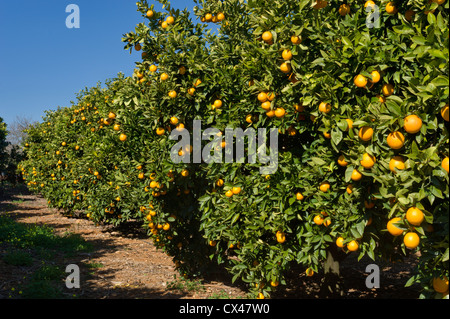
<point>17,130</point>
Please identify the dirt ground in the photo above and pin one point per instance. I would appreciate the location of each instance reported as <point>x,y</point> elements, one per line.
<point>132,267</point>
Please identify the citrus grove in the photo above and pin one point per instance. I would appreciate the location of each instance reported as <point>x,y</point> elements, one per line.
<point>362,114</point>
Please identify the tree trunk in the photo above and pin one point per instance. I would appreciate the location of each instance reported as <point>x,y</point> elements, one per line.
<point>332,284</point>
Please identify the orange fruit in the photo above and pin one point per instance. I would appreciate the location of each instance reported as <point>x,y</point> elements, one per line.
<point>287,54</point>
<point>260,296</point>
<point>440,284</point>
<point>270,113</point>
<point>353,245</point>
<point>212,243</point>
<point>397,162</point>
<point>266,105</point>
<point>349,189</point>
<point>191,91</point>
<point>164,76</point>
<point>197,82</point>
<point>170,20</point>
<point>280,112</point>
<point>173,94</point>
<point>411,240</point>
<point>296,39</point>
<point>185,173</point>
<point>220,16</point>
<point>414,216</point>
<point>182,70</point>
<point>123,137</point>
<point>356,175</point>
<point>149,14</point>
<point>153,68</point>
<point>409,14</point>
<point>218,104</point>
<point>376,76</point>
<point>299,196</point>
<point>325,186</point>
<point>267,36</point>
<point>445,113</point>
<point>111,115</point>
<point>369,3</point>
<point>220,183</point>
<point>349,124</point>
<point>320,4</point>
<point>360,81</point>
<point>285,67</point>
<point>229,193</point>
<point>387,89</point>
<point>236,190</point>
<point>262,97</point>
<point>444,164</point>
<point>412,124</point>
<point>164,24</point>
<point>318,220</point>
<point>174,120</point>
<point>344,9</point>
<point>340,242</point>
<point>392,229</point>
<point>324,107</point>
<point>365,133</point>
<point>368,160</point>
<point>391,8</point>
<point>159,131</point>
<point>341,161</point>
<point>281,237</point>
<point>309,272</point>
<point>395,140</point>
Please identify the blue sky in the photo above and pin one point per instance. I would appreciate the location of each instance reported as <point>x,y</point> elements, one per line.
<point>43,64</point>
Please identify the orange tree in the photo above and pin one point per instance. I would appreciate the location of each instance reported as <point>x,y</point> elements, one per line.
<point>358,92</point>
<point>3,145</point>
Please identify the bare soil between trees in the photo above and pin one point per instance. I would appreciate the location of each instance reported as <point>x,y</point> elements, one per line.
<point>124,264</point>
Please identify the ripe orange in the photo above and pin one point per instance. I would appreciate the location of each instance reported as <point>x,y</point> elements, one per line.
<point>218,104</point>
<point>173,94</point>
<point>285,67</point>
<point>149,14</point>
<point>356,175</point>
<point>349,189</point>
<point>397,162</point>
<point>170,20</point>
<point>395,140</point>
<point>174,120</point>
<point>164,76</point>
<point>344,9</point>
<point>287,54</point>
<point>392,229</point>
<point>212,243</point>
<point>444,164</point>
<point>281,237</point>
<point>376,76</point>
<point>365,133</point>
<point>318,220</point>
<point>270,113</point>
<point>411,240</point>
<point>353,245</point>
<point>387,89</point>
<point>296,39</point>
<point>220,182</point>
<point>191,91</point>
<point>360,81</point>
<point>325,186</point>
<point>280,112</point>
<point>340,242</point>
<point>197,82</point>
<point>369,3</point>
<point>414,216</point>
<point>412,124</point>
<point>445,112</point>
<point>185,173</point>
<point>267,36</point>
<point>220,16</point>
<point>266,105</point>
<point>320,4</point>
<point>111,115</point>
<point>260,296</point>
<point>164,24</point>
<point>440,284</point>
<point>368,160</point>
<point>299,196</point>
<point>324,107</point>
<point>229,193</point>
<point>262,97</point>
<point>341,161</point>
<point>236,190</point>
<point>391,8</point>
<point>123,137</point>
<point>160,131</point>
<point>349,124</point>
